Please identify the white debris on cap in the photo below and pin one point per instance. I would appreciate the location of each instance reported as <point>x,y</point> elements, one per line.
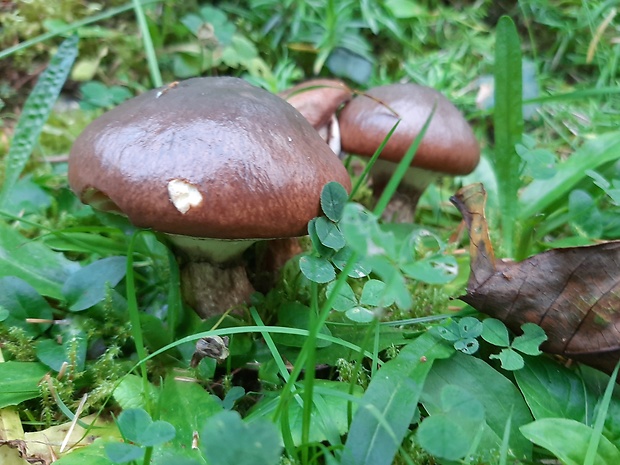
<point>184,195</point>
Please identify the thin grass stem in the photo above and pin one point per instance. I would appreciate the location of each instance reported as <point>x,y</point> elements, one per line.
<point>149,49</point>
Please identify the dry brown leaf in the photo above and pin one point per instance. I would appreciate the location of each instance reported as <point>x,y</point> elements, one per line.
<point>572,293</point>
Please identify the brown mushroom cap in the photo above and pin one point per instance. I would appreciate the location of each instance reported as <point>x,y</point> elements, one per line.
<point>253,164</point>
<point>318,99</point>
<point>448,146</point>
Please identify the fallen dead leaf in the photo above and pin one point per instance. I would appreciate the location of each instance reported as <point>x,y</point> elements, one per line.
<point>572,293</point>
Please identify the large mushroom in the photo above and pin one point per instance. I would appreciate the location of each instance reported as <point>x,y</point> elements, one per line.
<point>318,100</point>
<point>448,146</point>
<point>214,163</point>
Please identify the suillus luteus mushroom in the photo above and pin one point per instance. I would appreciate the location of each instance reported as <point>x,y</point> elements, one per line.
<point>214,163</point>
<point>448,146</point>
<point>318,100</point>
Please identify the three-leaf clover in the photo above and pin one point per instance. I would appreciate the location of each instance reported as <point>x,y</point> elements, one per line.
<point>462,334</point>
<point>496,333</point>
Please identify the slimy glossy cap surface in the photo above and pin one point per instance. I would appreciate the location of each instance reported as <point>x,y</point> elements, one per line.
<point>318,99</point>
<point>207,157</point>
<point>449,145</point>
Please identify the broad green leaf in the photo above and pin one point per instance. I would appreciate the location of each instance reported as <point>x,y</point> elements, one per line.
<point>361,267</point>
<point>539,163</point>
<point>243,53</point>
<point>88,286</point>
<point>94,454</point>
<point>449,433</point>
<point>584,216</point>
<point>129,393</point>
<point>373,294</point>
<point>233,395</point>
<point>470,327</point>
<point>449,331</point>
<point>21,301</point>
<point>346,63</point>
<point>495,332</point>
<point>72,350</point>
<point>137,426</point>
<point>510,360</point>
<point>458,401</point>
<point>187,64</point>
<point>552,390</point>
<point>499,397</point>
<point>316,241</point>
<point>462,334</point>
<point>316,269</point>
<point>439,269</point>
<point>132,422</point>
<point>531,339</point>
<point>467,345</point>
<point>443,437</point>
<point>360,315</point>
<point>19,381</point>
<point>390,402</point>
<point>329,234</point>
<point>157,433</point>
<point>568,440</point>
<point>226,439</point>
<point>396,286</point>
<point>121,452</point>
<point>224,29</point>
<point>345,299</point>
<point>27,197</point>
<point>36,110</point>
<point>359,226</point>
<point>333,199</point>
<point>508,124</point>
<point>33,262</point>
<point>95,94</point>
<point>177,457</point>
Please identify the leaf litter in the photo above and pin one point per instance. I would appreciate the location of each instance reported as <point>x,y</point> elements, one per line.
<point>572,293</point>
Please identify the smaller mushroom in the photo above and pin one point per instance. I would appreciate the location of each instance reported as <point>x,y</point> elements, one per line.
<point>318,100</point>
<point>448,146</point>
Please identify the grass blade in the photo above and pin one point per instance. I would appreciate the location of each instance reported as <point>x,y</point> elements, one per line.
<point>35,113</point>
<point>134,317</point>
<point>599,423</point>
<point>402,167</point>
<point>372,161</point>
<point>147,41</point>
<point>508,121</point>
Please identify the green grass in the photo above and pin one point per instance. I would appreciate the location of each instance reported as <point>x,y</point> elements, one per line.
<point>405,391</point>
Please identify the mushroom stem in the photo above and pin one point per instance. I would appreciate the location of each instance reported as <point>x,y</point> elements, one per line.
<point>402,205</point>
<point>213,280</point>
<point>211,289</point>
